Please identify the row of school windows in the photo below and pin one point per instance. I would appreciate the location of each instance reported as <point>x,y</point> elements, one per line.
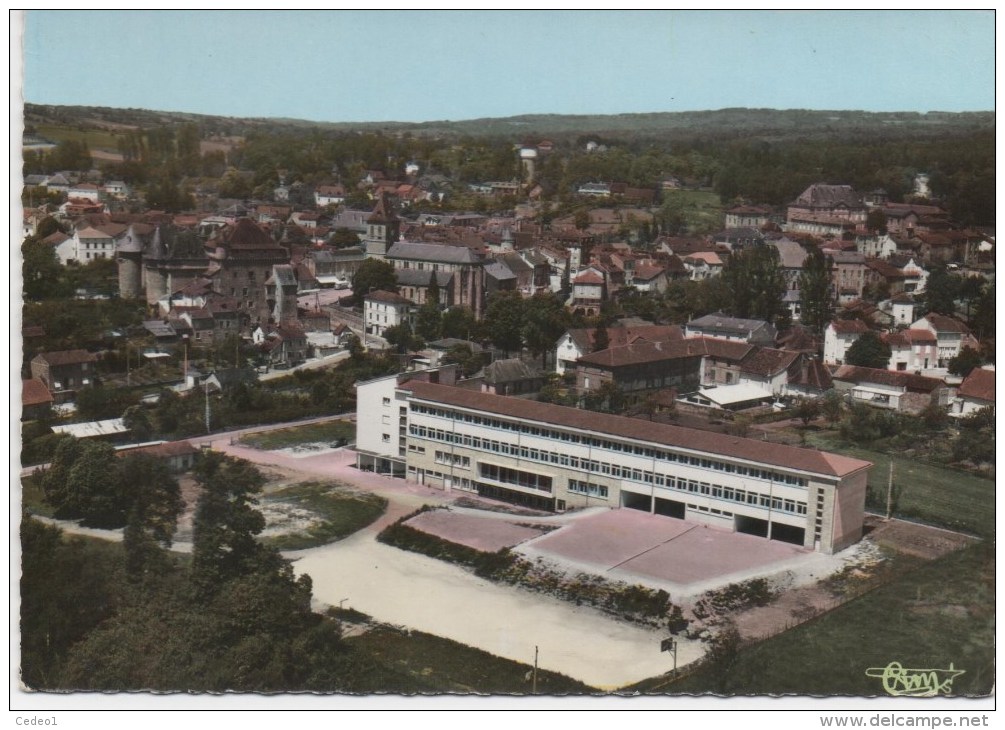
<point>466,484</point>
<point>525,452</point>
<point>692,486</point>
<point>525,479</point>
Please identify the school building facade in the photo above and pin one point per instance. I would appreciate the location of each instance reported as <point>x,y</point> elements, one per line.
<point>423,427</point>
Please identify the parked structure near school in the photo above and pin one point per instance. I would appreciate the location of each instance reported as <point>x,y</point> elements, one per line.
<point>422,426</point>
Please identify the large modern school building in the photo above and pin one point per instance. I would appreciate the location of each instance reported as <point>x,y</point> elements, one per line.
<point>557,458</point>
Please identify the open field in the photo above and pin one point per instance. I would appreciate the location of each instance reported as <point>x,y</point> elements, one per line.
<point>423,663</point>
<point>702,210</point>
<point>938,615</point>
<point>95,138</point>
<point>331,433</point>
<point>314,513</point>
<point>927,492</point>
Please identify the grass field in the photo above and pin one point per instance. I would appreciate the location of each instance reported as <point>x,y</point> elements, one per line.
<point>342,513</point>
<point>33,499</point>
<point>422,663</point>
<point>933,494</point>
<point>332,432</point>
<point>940,614</point>
<point>702,210</point>
<point>95,138</point>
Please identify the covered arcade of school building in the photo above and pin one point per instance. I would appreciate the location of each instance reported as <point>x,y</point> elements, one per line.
<point>421,426</point>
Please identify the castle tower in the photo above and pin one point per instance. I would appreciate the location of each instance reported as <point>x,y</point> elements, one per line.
<point>129,257</point>
<point>382,229</point>
<point>156,278</point>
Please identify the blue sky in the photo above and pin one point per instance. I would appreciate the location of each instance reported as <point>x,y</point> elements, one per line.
<point>432,65</point>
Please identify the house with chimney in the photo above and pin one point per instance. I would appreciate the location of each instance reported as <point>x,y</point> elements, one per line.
<point>576,343</point>
<point>839,335</point>
<point>721,326</point>
<point>64,372</point>
<point>890,390</point>
<point>977,391</point>
<point>951,336</point>
<point>824,209</point>
<point>384,309</point>
<point>589,290</point>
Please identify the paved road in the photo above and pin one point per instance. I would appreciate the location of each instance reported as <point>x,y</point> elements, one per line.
<point>318,364</point>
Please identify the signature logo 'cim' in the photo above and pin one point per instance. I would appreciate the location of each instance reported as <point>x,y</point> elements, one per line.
<point>900,681</point>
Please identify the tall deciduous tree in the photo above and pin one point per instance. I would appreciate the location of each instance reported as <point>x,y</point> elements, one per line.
<point>40,269</point>
<point>226,522</point>
<point>373,275</point>
<point>755,284</point>
<point>941,291</point>
<point>344,238</point>
<point>504,319</point>
<point>428,320</point>
<point>601,340</point>
<point>869,351</point>
<point>154,500</point>
<point>815,291</point>
<point>459,322</point>
<point>983,321</point>
<point>967,359</point>
<point>545,319</point>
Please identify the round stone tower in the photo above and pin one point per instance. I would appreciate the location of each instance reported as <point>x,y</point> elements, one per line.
<point>129,257</point>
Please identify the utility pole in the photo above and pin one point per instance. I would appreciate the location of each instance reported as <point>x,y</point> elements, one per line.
<point>206,384</point>
<point>889,494</point>
<point>534,689</point>
<point>670,645</point>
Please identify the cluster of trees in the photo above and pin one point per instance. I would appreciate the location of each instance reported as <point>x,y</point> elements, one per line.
<point>87,480</point>
<point>945,292</point>
<point>44,278</point>
<point>235,618</point>
<point>69,154</point>
<point>969,440</point>
<point>961,168</point>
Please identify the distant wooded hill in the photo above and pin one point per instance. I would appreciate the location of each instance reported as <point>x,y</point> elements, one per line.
<point>730,123</point>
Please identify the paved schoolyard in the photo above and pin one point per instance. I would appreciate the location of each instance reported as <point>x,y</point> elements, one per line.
<point>626,542</point>
<point>610,537</point>
<point>489,535</point>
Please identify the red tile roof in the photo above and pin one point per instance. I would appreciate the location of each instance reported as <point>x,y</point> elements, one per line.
<point>979,385</point>
<point>66,357</point>
<point>943,323</point>
<point>849,326</point>
<point>34,393</point>
<point>792,457</point>
<point>767,361</point>
<point>640,352</point>
<point>909,381</point>
<point>919,336</point>
<point>815,375</point>
<point>387,297</point>
<point>588,277</point>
